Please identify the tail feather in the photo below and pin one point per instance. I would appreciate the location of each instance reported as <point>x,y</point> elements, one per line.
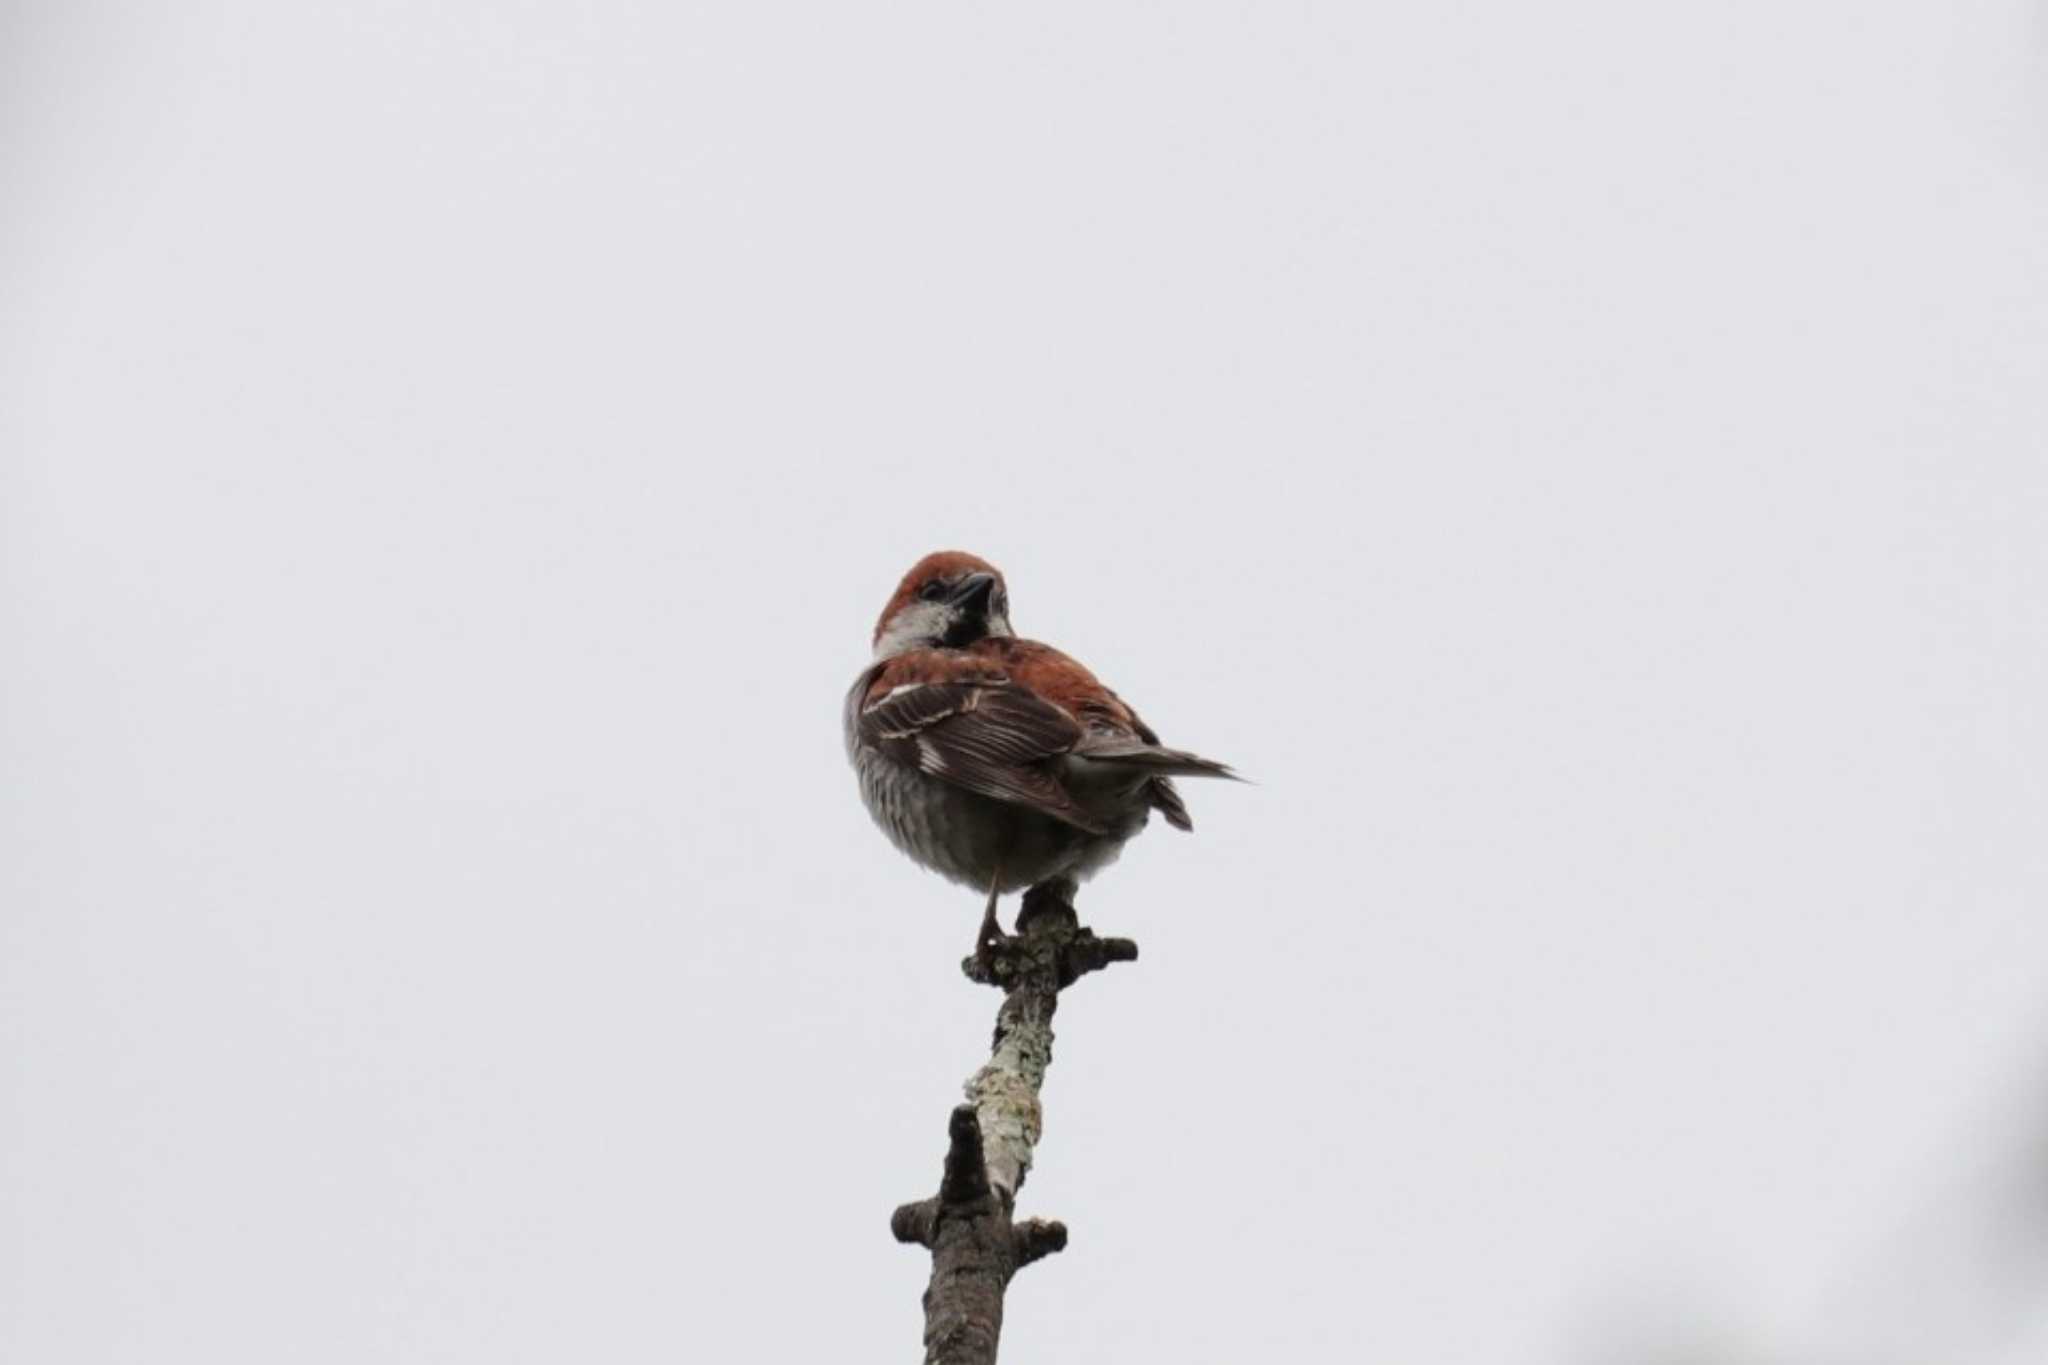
<point>1167,802</point>
<point>1153,757</point>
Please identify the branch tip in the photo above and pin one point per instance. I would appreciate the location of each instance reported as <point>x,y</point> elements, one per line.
<point>1036,1238</point>
<point>1086,953</point>
<point>1049,943</point>
<point>914,1224</point>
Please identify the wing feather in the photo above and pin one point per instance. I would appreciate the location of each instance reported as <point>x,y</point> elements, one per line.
<point>987,736</point>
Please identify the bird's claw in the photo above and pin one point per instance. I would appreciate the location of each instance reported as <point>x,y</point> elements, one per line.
<point>995,960</point>
<point>991,945</point>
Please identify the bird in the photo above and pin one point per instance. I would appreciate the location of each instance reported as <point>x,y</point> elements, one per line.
<point>998,762</point>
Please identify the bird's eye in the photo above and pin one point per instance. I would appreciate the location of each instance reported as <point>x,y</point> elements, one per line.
<point>932,591</point>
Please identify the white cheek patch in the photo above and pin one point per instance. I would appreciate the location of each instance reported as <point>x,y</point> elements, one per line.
<point>913,626</point>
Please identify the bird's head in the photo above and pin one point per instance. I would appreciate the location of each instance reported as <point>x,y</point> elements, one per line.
<point>948,600</point>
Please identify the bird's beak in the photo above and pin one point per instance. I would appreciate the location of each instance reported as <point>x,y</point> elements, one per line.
<point>974,592</point>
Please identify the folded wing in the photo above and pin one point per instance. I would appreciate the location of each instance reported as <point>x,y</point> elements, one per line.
<point>987,736</point>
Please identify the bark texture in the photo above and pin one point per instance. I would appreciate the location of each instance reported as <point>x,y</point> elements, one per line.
<point>968,1226</point>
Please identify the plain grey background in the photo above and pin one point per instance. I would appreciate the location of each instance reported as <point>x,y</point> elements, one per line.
<point>1585,461</point>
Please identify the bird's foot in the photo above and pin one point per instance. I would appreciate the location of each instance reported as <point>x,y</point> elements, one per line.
<point>990,942</point>
<point>1048,938</point>
<point>996,954</point>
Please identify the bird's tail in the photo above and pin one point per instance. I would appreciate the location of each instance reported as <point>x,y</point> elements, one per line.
<point>1153,758</point>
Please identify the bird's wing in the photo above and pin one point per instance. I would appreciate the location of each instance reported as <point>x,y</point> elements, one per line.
<point>982,733</point>
<point>1112,731</point>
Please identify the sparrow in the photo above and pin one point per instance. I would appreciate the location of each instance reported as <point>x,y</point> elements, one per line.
<point>997,762</point>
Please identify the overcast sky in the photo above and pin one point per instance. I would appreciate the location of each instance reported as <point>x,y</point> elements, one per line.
<point>1587,461</point>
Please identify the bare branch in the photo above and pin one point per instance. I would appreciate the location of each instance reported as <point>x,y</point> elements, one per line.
<point>975,1246</point>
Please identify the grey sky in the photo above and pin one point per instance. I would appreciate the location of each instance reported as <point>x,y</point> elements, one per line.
<point>1585,461</point>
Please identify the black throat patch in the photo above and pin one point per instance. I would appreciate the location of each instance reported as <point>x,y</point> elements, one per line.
<point>964,632</point>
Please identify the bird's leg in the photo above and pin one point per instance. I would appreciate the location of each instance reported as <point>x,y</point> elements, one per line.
<point>991,935</point>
